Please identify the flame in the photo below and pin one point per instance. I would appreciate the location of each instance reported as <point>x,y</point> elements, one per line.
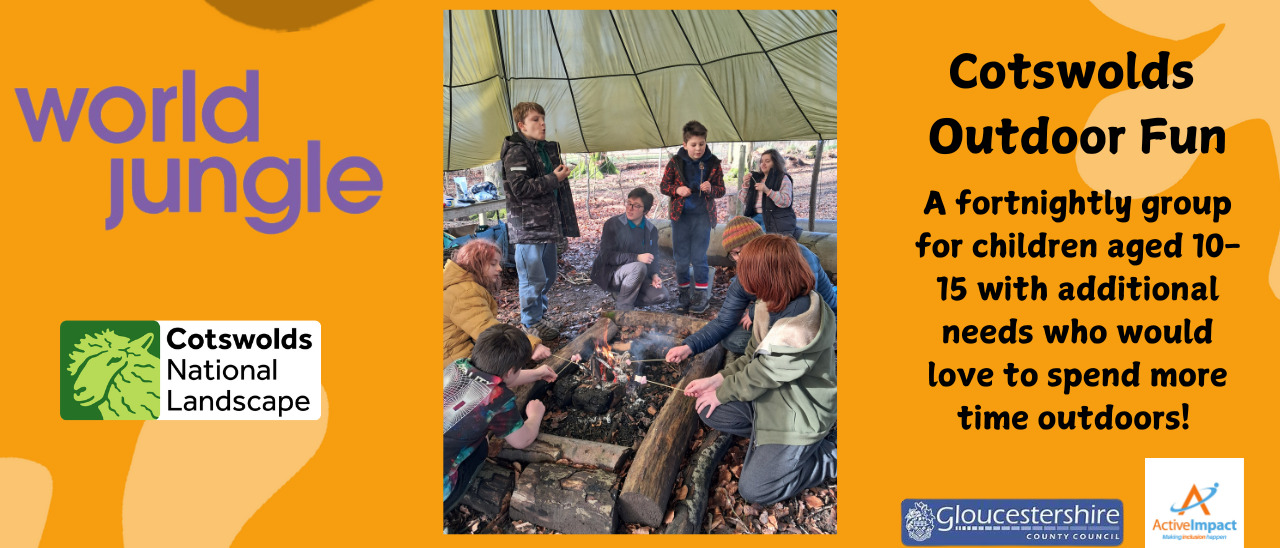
<point>606,367</point>
<point>605,352</point>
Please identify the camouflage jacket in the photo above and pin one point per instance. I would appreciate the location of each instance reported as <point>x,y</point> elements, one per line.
<point>536,212</point>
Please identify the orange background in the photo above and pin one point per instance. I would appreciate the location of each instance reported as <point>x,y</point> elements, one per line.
<point>894,85</point>
<point>356,84</point>
<point>366,83</point>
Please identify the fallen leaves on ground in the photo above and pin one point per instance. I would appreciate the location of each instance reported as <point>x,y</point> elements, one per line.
<point>812,511</point>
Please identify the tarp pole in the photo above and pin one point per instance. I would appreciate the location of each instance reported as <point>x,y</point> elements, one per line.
<point>813,187</point>
<point>657,162</point>
<point>587,163</point>
<point>735,206</point>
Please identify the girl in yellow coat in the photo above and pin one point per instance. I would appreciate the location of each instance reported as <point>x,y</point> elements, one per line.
<point>470,279</point>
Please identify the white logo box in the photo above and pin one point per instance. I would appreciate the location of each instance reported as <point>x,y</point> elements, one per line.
<point>296,370</point>
<point>1168,484</point>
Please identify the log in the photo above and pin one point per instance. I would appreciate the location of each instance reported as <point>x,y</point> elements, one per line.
<point>567,499</point>
<point>597,400</point>
<point>819,225</point>
<point>492,484</point>
<point>565,387</point>
<point>822,244</point>
<point>582,344</point>
<point>653,472</point>
<point>698,477</point>
<point>549,448</point>
<point>674,322</point>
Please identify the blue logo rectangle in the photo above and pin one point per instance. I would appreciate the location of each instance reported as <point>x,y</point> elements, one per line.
<point>1012,522</point>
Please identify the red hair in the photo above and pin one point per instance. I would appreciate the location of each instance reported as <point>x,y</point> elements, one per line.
<point>474,257</point>
<point>772,269</point>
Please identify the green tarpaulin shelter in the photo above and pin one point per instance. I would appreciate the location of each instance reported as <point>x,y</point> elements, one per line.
<point>624,80</point>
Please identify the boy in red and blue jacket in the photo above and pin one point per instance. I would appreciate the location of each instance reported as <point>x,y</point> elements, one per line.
<point>693,179</point>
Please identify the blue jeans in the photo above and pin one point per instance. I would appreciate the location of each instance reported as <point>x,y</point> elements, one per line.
<point>738,340</point>
<point>690,237</point>
<point>536,265</point>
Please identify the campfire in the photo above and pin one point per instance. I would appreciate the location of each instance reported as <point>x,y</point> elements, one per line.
<point>603,374</point>
<point>601,412</point>
<point>613,364</point>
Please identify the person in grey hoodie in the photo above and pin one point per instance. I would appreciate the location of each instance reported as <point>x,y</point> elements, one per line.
<point>782,392</point>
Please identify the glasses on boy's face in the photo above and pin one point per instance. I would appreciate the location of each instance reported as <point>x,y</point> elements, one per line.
<point>635,206</point>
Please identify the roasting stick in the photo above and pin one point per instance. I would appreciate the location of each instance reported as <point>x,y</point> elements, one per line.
<point>662,385</point>
<point>567,362</point>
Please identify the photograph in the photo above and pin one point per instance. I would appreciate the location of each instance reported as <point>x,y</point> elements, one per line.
<point>640,269</point>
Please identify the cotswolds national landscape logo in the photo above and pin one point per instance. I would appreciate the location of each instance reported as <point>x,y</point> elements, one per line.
<point>109,370</point>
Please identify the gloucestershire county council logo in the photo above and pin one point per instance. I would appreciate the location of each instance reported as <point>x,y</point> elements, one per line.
<point>1012,522</point>
<point>109,370</point>
<point>1195,494</point>
<point>919,522</point>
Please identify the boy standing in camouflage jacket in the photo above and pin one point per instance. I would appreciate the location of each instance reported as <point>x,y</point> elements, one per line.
<point>539,210</point>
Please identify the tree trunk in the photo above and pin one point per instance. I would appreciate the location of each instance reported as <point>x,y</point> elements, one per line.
<point>549,448</point>
<point>813,187</point>
<point>587,163</point>
<point>492,484</point>
<point>583,344</point>
<point>740,159</point>
<point>493,173</point>
<point>645,318</point>
<point>567,499</point>
<point>698,476</point>
<point>653,472</point>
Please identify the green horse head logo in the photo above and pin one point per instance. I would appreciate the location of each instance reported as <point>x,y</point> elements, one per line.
<point>118,376</point>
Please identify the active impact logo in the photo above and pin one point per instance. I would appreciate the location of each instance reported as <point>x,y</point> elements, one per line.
<point>109,370</point>
<point>1178,509</point>
<point>1194,493</point>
